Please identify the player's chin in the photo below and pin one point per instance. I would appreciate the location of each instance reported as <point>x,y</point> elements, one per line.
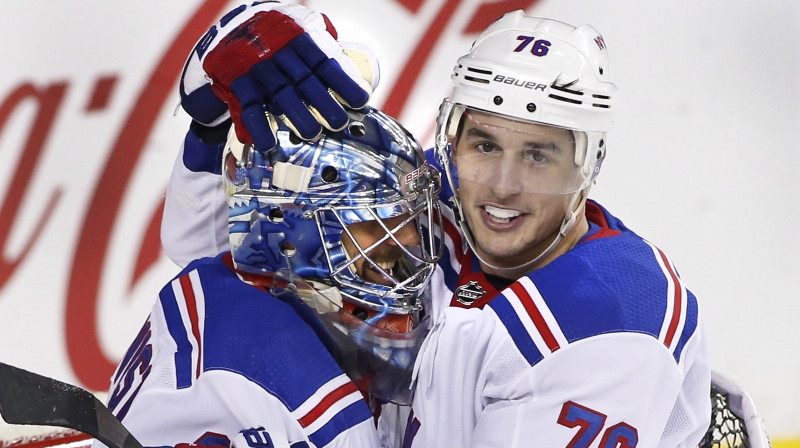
<point>501,246</point>
<point>501,255</point>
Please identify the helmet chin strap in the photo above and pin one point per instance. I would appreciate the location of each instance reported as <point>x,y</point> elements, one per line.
<point>576,206</point>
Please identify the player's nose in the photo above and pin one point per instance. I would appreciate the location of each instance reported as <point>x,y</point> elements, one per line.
<point>407,235</point>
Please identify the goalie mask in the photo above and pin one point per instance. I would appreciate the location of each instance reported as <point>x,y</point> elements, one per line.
<point>545,84</point>
<point>344,224</point>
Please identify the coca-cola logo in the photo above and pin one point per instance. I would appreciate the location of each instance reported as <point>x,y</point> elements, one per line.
<point>91,365</point>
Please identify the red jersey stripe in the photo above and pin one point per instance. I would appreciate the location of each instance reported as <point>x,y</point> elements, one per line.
<point>677,299</point>
<point>452,231</point>
<point>536,316</point>
<point>191,308</point>
<point>324,404</point>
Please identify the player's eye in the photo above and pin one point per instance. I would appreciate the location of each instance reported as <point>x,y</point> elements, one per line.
<point>486,147</point>
<point>535,156</point>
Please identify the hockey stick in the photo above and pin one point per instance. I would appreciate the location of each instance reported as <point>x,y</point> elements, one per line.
<point>30,399</point>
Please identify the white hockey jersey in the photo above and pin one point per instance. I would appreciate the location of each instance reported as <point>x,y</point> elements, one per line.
<point>603,347</point>
<point>219,359</point>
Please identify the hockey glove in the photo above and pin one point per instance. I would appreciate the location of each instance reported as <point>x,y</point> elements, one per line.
<point>269,61</point>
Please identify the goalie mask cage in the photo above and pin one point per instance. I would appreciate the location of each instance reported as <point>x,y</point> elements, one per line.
<point>735,422</point>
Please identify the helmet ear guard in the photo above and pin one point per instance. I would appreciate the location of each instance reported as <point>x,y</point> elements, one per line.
<point>456,111</point>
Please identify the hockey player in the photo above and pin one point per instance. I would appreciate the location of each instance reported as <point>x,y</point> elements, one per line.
<point>593,339</point>
<point>577,331</point>
<point>323,279</point>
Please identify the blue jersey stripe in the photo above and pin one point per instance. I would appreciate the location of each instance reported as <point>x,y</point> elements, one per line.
<point>123,411</point>
<point>131,351</point>
<point>518,333</point>
<point>689,326</point>
<point>183,356</point>
<point>345,419</point>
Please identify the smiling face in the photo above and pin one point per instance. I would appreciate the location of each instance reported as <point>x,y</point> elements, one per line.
<point>515,182</point>
<point>387,255</point>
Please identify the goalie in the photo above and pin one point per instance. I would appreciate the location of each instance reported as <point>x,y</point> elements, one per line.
<point>315,302</point>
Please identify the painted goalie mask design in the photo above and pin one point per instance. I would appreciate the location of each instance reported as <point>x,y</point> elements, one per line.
<point>299,218</point>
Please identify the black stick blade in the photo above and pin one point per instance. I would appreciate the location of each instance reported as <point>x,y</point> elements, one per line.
<point>30,399</point>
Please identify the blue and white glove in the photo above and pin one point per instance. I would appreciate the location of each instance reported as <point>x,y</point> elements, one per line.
<point>268,60</point>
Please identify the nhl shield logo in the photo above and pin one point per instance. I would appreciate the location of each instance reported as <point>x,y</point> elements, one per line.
<point>469,293</point>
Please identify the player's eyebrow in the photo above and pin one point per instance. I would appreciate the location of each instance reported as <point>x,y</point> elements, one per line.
<point>549,146</point>
<point>479,132</point>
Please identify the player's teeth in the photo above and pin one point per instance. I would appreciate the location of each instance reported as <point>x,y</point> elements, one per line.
<point>501,215</point>
<point>386,266</point>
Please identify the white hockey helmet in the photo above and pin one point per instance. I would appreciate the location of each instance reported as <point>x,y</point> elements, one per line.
<point>541,71</point>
